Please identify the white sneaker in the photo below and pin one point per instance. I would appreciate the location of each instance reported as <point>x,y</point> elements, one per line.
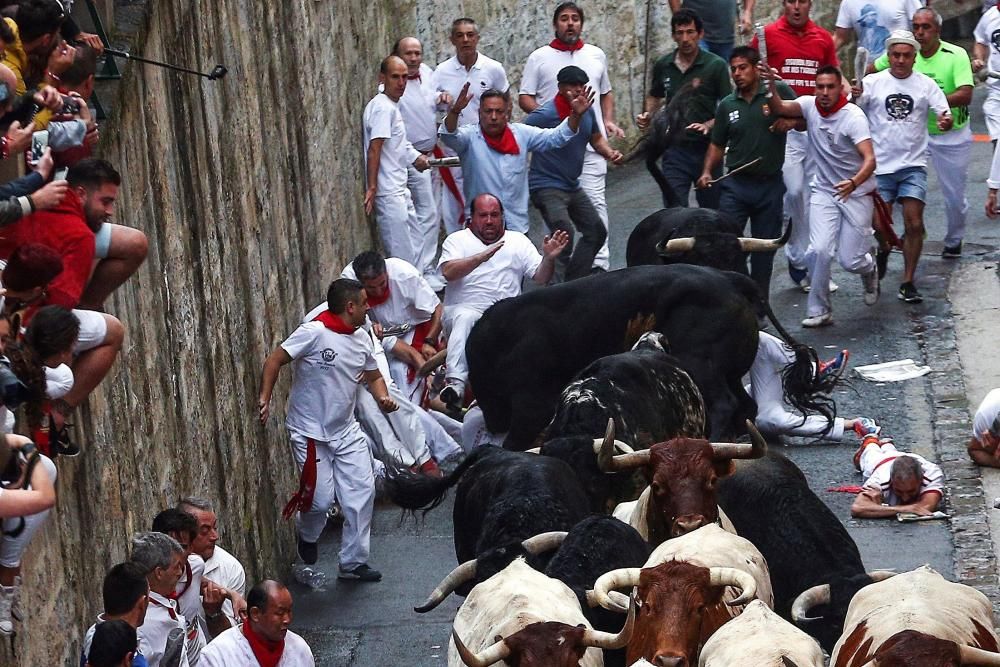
<point>806,286</point>
<point>6,600</point>
<point>821,320</point>
<point>15,605</point>
<point>871,285</point>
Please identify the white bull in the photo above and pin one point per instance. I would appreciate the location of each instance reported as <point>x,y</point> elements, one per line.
<point>761,638</point>
<point>636,514</point>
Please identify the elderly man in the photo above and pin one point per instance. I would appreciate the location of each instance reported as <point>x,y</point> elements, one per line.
<point>388,156</point>
<point>898,102</point>
<point>495,153</point>
<point>485,263</point>
<point>986,431</point>
<point>872,21</point>
<point>895,482</point>
<point>264,638</point>
<point>539,86</point>
<point>125,592</point>
<point>162,633</point>
<point>468,67</point>
<point>948,65</point>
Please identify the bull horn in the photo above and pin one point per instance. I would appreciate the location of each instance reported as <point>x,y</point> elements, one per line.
<point>881,575</point>
<point>673,246</point>
<point>755,449</point>
<point>543,542</point>
<point>730,576</point>
<point>488,656</point>
<point>977,657</point>
<point>760,245</point>
<point>807,599</point>
<point>619,600</point>
<point>627,577</point>
<point>432,364</point>
<point>611,641</point>
<point>461,574</point>
<point>606,459</point>
<point>533,450</point>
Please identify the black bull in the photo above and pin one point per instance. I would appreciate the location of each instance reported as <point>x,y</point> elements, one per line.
<point>524,350</point>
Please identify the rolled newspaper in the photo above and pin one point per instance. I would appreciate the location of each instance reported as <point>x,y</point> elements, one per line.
<point>758,30</point>
<point>453,161</point>
<point>860,63</point>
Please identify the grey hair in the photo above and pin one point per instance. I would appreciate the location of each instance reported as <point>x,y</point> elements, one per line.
<point>153,550</point>
<point>196,502</point>
<point>906,467</point>
<point>933,12</point>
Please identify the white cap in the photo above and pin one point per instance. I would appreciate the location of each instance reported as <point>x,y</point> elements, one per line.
<point>901,37</point>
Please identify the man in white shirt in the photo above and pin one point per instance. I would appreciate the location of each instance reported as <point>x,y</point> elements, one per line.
<point>986,54</point>
<point>897,102</point>
<point>467,66</point>
<point>895,482</point>
<point>388,156</point>
<point>539,85</point>
<point>331,356</point>
<point>840,208</point>
<point>418,106</point>
<point>986,431</point>
<point>483,264</point>
<point>872,21</point>
<point>162,633</point>
<point>264,638</point>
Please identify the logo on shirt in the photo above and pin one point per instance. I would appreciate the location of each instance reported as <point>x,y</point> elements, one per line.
<point>734,115</point>
<point>995,40</point>
<point>328,355</point>
<point>898,106</point>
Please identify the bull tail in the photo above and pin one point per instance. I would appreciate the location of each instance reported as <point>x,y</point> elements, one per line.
<point>414,491</point>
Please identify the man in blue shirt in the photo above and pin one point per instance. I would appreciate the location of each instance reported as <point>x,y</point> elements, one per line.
<point>554,177</point>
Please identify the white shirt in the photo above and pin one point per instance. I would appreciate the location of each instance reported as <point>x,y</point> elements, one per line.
<point>328,368</point>
<point>189,605</point>
<point>987,33</point>
<point>544,63</point>
<point>382,120</point>
<point>418,106</point>
<point>225,570</point>
<point>879,480</point>
<point>498,278</point>
<point>897,114</point>
<point>833,142</point>
<point>873,20</point>
<point>451,75</point>
<point>987,413</point>
<point>161,635</point>
<point>231,649</point>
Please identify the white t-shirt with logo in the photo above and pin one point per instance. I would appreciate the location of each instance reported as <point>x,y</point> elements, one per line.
<point>497,278</point>
<point>987,413</point>
<point>418,106</point>
<point>327,367</point>
<point>873,20</point>
<point>451,75</point>
<point>833,144</point>
<point>189,605</point>
<point>987,33</point>
<point>897,115</point>
<point>543,65</point>
<point>382,120</point>
<point>932,481</point>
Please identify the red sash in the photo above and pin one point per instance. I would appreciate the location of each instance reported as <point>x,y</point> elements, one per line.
<point>560,45</point>
<point>563,107</point>
<point>303,499</point>
<point>506,144</point>
<point>883,221</point>
<point>449,182</point>
<point>419,334</point>
<point>268,653</point>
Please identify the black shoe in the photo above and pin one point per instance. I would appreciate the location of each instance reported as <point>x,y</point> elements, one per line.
<point>308,552</point>
<point>953,252</point>
<point>60,443</point>
<point>908,293</point>
<point>361,573</point>
<point>882,262</point>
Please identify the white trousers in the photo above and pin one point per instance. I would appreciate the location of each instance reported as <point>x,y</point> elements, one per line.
<point>991,110</point>
<point>950,159</point>
<point>398,435</point>
<point>841,229</point>
<point>475,434</point>
<point>797,172</point>
<point>399,371</point>
<point>592,181</point>
<point>396,220</point>
<point>458,322</point>
<point>343,473</point>
<point>424,231</point>
<point>874,454</point>
<point>452,428</point>
<point>441,443</point>
<point>12,548</point>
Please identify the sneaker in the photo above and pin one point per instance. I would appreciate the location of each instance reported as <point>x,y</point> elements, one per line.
<point>870,283</point>
<point>835,367</point>
<point>882,262</point>
<point>908,293</point>
<point>799,276</point>
<point>821,320</point>
<point>308,552</point>
<point>808,286</point>
<point>60,443</point>
<point>6,600</point>
<point>865,427</point>
<point>360,573</point>
<point>15,604</point>
<point>953,252</point>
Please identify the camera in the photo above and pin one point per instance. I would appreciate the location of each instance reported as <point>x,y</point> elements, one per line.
<point>70,107</point>
<point>39,142</point>
<point>13,392</point>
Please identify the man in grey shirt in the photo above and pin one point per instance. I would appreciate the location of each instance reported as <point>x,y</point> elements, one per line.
<point>720,21</point>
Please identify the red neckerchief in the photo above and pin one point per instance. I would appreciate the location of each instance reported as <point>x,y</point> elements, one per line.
<point>379,300</point>
<point>560,45</point>
<point>506,144</point>
<point>563,107</point>
<point>268,653</point>
<point>334,323</point>
<point>841,103</point>
<point>190,576</point>
<point>412,77</point>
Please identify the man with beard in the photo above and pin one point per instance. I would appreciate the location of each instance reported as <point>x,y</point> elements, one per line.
<point>483,264</point>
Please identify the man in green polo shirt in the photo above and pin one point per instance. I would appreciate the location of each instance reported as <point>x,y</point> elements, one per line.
<point>688,63</point>
<point>756,147</point>
<point>950,150</point>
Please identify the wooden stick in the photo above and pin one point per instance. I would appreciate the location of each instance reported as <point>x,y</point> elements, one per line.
<point>735,171</point>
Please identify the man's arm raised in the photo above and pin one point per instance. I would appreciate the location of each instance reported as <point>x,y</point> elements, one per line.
<point>779,107</point>
<point>551,247</point>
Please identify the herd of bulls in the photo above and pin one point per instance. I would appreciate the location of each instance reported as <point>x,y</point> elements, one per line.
<point>668,543</point>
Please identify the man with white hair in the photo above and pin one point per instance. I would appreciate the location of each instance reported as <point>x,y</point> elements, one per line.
<point>162,633</point>
<point>221,567</point>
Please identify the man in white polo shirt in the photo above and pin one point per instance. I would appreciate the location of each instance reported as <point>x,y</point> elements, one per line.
<point>162,633</point>
<point>895,482</point>
<point>483,264</point>
<point>331,356</point>
<point>897,102</point>
<point>388,155</point>
<point>467,66</point>
<point>539,85</point>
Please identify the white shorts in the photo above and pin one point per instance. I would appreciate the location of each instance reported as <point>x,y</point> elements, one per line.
<point>93,330</point>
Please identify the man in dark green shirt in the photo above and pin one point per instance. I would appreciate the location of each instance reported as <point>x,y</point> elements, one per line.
<point>756,147</point>
<point>683,160</point>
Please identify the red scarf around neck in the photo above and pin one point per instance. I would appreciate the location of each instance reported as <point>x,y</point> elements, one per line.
<point>836,107</point>
<point>563,107</point>
<point>268,653</point>
<point>334,323</point>
<point>506,144</point>
<point>560,45</point>
<point>378,301</point>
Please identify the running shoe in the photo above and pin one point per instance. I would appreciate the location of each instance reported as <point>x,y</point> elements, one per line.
<point>908,293</point>
<point>361,573</point>
<point>835,367</point>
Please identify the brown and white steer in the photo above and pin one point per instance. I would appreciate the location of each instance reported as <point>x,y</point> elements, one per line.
<point>690,586</point>
<point>917,618</point>
<point>761,638</point>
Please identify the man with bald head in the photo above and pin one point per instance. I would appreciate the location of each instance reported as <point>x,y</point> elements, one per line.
<point>264,638</point>
<point>388,155</point>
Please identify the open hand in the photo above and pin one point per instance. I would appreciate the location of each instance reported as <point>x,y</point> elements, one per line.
<point>553,244</point>
<point>581,103</point>
<point>464,97</point>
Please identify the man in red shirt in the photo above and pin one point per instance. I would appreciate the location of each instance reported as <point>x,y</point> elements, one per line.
<point>797,47</point>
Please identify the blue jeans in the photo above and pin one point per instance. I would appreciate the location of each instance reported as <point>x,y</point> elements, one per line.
<point>758,199</point>
<point>682,166</point>
<point>721,49</point>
